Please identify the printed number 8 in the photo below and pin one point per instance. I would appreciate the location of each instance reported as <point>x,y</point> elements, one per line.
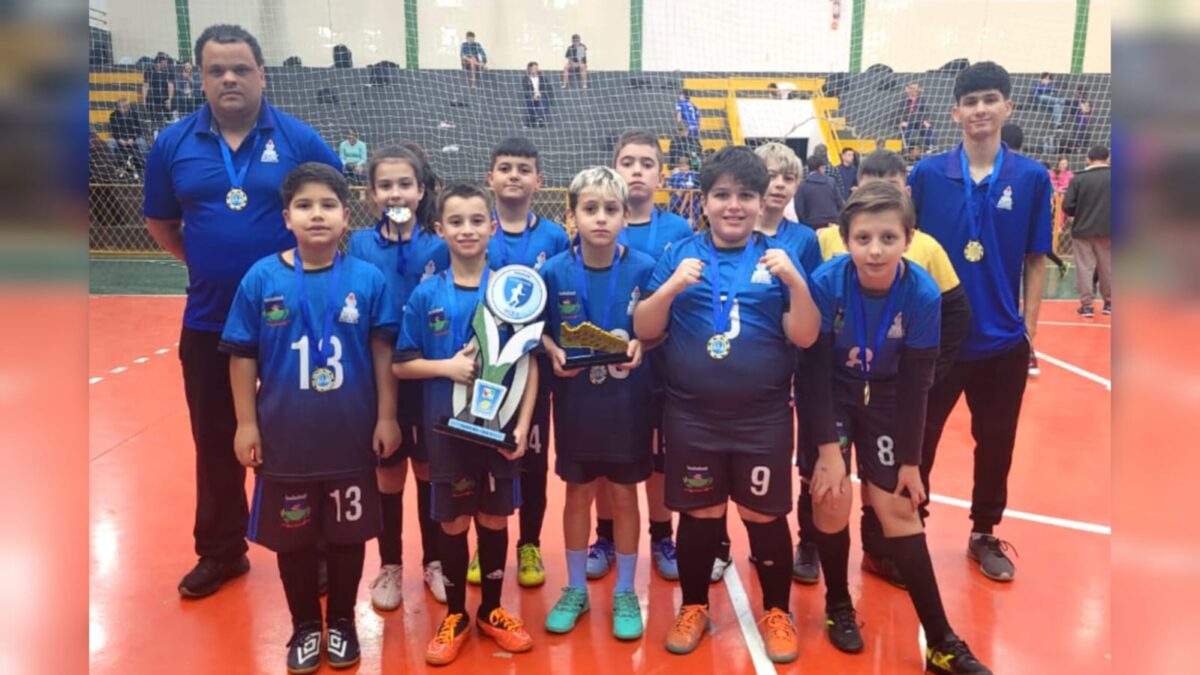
<point>886,445</point>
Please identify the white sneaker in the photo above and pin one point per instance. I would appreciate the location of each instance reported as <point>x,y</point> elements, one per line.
<point>435,581</point>
<point>385,590</point>
<point>719,567</point>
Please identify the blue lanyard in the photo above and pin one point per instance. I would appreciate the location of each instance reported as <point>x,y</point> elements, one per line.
<point>612,286</point>
<point>623,238</point>
<point>860,318</point>
<point>319,344</point>
<point>458,333</point>
<point>237,177</point>
<point>973,220</point>
<point>401,247</point>
<point>524,245</point>
<point>721,310</point>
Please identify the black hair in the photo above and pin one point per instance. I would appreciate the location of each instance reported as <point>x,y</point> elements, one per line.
<point>637,137</point>
<point>462,190</point>
<point>470,33</point>
<point>224,33</point>
<point>1098,153</point>
<point>815,162</point>
<point>314,172</point>
<point>882,164</point>
<point>530,65</point>
<point>1046,76</point>
<point>739,163</point>
<point>516,146</point>
<point>982,76</point>
<point>421,170</point>
<point>1013,136</point>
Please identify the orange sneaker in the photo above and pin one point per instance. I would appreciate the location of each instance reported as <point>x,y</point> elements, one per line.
<point>690,626</point>
<point>779,636</point>
<point>507,630</point>
<point>445,645</point>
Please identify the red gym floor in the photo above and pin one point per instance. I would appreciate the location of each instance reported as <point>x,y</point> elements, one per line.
<point>1053,618</point>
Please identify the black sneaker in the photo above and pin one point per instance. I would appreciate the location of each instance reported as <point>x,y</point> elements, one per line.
<point>1107,311</point>
<point>210,573</point>
<point>322,573</point>
<point>1086,312</point>
<point>883,567</point>
<point>807,567</point>
<point>304,649</point>
<point>952,657</point>
<point>842,622</point>
<point>988,551</point>
<point>341,646</point>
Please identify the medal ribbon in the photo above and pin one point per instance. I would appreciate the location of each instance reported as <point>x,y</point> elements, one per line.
<point>401,247</point>
<point>319,344</point>
<point>612,286</point>
<point>623,238</point>
<point>860,318</point>
<point>237,178</point>
<point>458,333</point>
<point>523,247</point>
<point>974,224</point>
<point>721,310</point>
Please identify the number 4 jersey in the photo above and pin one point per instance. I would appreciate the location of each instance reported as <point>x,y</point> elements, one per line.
<point>308,433</point>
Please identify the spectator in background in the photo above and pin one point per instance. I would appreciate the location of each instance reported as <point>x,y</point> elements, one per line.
<point>914,119</point>
<point>158,90</point>
<point>188,95</point>
<point>353,153</point>
<point>1089,202</point>
<point>848,172</point>
<point>688,114</point>
<point>1061,175</point>
<point>683,146</point>
<point>781,91</point>
<point>537,95</point>
<point>576,60</point>
<point>1082,108</point>
<point>128,142</point>
<point>1043,93</point>
<point>474,58</point>
<point>818,201</point>
<point>1013,136</point>
<point>684,203</point>
<point>819,150</point>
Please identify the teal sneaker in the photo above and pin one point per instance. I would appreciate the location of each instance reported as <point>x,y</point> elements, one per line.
<point>566,611</point>
<point>627,616</point>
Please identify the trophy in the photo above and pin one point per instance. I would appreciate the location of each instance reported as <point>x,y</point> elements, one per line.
<point>607,348</point>
<point>515,297</point>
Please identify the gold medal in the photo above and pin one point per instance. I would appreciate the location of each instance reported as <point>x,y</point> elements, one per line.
<point>867,393</point>
<point>718,346</point>
<point>236,199</point>
<point>598,374</point>
<point>322,380</point>
<point>973,251</point>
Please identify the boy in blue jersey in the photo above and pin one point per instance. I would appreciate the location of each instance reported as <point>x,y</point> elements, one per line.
<point>687,114</point>
<point>735,309</point>
<point>523,238</point>
<point>990,209</point>
<point>315,328</point>
<point>683,181</point>
<point>650,230</point>
<point>407,250</point>
<point>603,417</point>
<point>869,375</point>
<point>468,480</point>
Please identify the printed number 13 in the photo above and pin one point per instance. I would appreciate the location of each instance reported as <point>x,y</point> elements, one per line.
<point>335,361</point>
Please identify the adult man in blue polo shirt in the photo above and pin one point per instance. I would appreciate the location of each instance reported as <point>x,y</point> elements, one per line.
<point>219,170</point>
<point>989,207</point>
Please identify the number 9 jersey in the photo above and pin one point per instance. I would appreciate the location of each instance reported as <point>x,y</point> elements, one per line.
<point>306,433</point>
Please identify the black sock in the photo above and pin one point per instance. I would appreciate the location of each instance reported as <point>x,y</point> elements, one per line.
<point>981,528</point>
<point>298,571</point>
<point>659,529</point>
<point>452,551</point>
<point>873,541</point>
<point>345,572</point>
<point>804,514</point>
<point>696,546</point>
<point>834,552</point>
<point>912,558</point>
<point>604,528</point>
<point>533,506</point>
<point>493,552</point>
<point>392,508</point>
<point>429,528</point>
<point>722,550</point>
<point>771,545</point>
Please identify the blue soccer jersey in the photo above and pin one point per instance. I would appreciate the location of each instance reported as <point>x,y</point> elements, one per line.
<point>655,235</point>
<point>750,387</point>
<point>801,242</point>
<point>601,414</point>
<point>307,433</point>
<point>533,247</point>
<point>1013,216</point>
<point>404,264</point>
<point>914,318</point>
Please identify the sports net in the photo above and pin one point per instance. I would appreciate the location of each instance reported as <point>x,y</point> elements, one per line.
<point>393,71</point>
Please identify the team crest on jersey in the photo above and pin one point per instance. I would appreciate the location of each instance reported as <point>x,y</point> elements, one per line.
<point>541,260</point>
<point>463,487</point>
<point>295,512</point>
<point>438,324</point>
<point>430,270</point>
<point>1005,199</point>
<point>568,305</point>
<point>843,439</point>
<point>350,309</point>
<point>275,311</point>
<point>896,330</point>
<point>634,297</point>
<point>697,479</point>
<point>269,155</point>
<point>761,275</point>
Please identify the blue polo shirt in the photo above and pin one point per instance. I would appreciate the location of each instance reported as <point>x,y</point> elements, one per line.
<point>186,179</point>
<point>1013,224</point>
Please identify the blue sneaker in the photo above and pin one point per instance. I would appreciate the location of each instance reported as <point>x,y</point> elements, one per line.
<point>601,556</point>
<point>566,611</point>
<point>663,551</point>
<point>627,616</point>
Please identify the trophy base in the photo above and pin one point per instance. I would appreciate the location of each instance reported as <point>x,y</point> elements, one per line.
<point>492,438</point>
<point>602,359</point>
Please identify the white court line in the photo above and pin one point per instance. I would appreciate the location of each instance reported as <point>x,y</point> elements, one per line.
<point>141,359</point>
<point>94,380</point>
<point>118,370</point>
<point>1076,369</point>
<point>1075,323</point>
<point>164,350</point>
<point>745,616</point>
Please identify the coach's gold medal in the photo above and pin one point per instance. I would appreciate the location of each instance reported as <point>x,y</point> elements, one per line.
<point>718,346</point>
<point>322,379</point>
<point>867,393</point>
<point>236,199</point>
<point>973,251</point>
<point>598,374</point>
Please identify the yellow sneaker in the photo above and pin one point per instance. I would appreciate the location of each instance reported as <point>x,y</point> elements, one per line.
<point>779,636</point>
<point>507,630</point>
<point>474,577</point>
<point>530,572</point>
<point>689,628</point>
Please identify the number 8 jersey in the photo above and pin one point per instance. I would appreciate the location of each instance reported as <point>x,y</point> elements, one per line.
<point>307,434</point>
